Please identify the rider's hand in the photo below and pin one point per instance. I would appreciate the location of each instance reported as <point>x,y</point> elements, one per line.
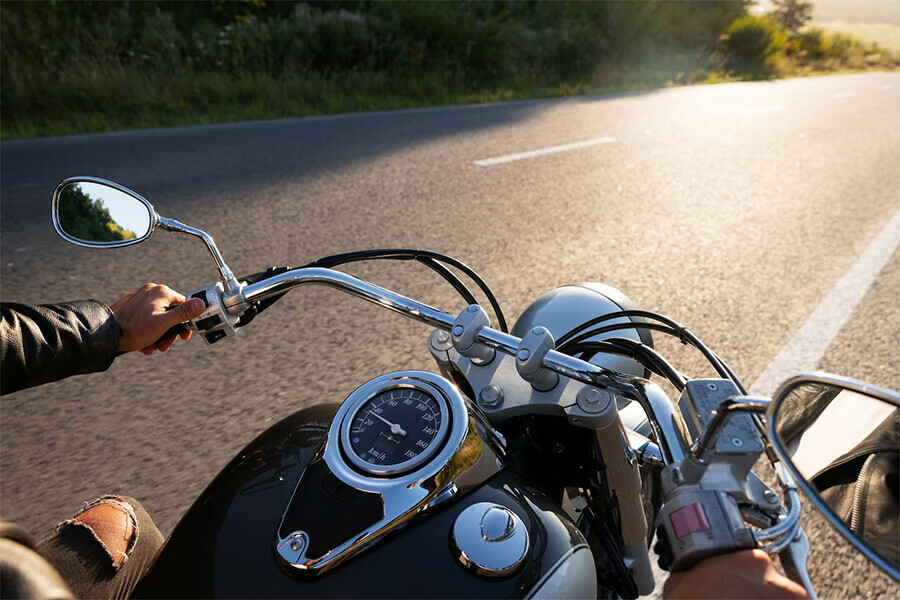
<point>745,574</point>
<point>143,317</point>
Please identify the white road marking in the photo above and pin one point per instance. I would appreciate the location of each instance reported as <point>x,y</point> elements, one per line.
<point>843,95</point>
<point>804,350</point>
<point>886,86</point>
<point>497,160</point>
<point>760,111</point>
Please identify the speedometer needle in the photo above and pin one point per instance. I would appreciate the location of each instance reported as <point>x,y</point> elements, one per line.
<point>395,429</point>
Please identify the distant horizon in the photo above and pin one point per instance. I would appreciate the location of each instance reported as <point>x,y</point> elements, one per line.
<point>857,11</point>
<point>848,11</point>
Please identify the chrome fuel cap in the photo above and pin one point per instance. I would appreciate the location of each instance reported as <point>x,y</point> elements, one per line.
<point>490,539</point>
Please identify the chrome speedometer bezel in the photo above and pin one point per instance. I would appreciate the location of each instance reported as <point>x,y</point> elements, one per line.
<point>362,395</point>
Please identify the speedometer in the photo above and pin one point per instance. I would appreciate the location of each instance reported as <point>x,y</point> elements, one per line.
<point>395,429</point>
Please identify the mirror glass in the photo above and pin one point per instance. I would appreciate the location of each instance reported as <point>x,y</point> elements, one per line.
<point>94,213</point>
<point>845,445</point>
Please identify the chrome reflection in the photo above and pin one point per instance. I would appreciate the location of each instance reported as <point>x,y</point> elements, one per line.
<point>468,457</point>
<point>841,440</point>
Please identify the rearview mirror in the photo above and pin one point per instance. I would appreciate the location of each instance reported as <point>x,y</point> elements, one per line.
<point>841,440</point>
<point>94,212</point>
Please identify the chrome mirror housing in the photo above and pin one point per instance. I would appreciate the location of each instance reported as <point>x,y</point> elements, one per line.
<point>840,439</point>
<point>93,212</point>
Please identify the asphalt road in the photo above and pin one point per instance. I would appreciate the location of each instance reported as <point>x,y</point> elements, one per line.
<point>733,209</point>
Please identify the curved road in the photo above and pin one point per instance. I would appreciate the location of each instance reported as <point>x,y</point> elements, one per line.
<point>734,209</point>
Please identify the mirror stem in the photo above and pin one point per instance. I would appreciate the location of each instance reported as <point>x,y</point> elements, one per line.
<point>225,275</point>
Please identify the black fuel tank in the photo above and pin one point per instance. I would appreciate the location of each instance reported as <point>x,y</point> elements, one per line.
<point>223,546</point>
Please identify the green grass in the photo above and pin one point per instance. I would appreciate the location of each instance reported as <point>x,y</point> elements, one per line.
<point>83,106</point>
<point>133,99</point>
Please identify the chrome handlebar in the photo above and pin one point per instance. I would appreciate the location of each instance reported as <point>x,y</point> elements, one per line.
<point>503,342</point>
<point>666,423</point>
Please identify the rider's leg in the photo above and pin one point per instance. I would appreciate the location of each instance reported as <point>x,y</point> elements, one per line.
<point>104,550</point>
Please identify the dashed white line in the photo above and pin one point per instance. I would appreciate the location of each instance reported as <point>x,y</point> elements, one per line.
<point>886,86</point>
<point>760,111</point>
<point>497,160</point>
<point>804,350</point>
<point>843,95</point>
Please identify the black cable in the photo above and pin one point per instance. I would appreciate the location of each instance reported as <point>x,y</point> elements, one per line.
<point>645,355</point>
<point>450,278</point>
<point>656,327</point>
<point>674,328</point>
<point>429,259</point>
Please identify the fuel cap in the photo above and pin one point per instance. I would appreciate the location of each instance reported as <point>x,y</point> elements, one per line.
<point>489,539</point>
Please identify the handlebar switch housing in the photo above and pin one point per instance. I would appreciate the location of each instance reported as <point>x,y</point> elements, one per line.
<point>214,323</point>
<point>696,524</point>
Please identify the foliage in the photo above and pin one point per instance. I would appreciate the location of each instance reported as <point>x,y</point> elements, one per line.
<point>811,43</point>
<point>92,66</point>
<point>753,44</point>
<point>87,219</point>
<point>792,14</point>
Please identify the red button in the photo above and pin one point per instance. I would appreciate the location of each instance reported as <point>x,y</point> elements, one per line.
<point>689,519</point>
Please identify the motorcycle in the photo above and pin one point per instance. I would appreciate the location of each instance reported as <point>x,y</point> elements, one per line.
<point>540,461</point>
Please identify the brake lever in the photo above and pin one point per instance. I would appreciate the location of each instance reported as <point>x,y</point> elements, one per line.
<point>794,558</point>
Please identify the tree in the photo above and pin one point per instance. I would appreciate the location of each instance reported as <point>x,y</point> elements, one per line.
<point>88,219</point>
<point>792,14</point>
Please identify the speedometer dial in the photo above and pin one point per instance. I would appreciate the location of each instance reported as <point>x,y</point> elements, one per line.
<point>395,430</point>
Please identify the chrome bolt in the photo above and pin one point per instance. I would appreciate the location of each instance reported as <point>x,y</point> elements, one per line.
<point>593,396</point>
<point>537,330</point>
<point>458,330</point>
<point>472,308</point>
<point>770,496</point>
<point>524,354</point>
<point>442,337</point>
<point>295,545</point>
<point>738,442</point>
<point>593,400</point>
<point>491,396</point>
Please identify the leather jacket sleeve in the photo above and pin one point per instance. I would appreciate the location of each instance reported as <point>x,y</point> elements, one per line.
<point>39,344</point>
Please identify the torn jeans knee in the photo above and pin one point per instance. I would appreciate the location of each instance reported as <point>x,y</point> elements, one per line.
<point>104,549</point>
<point>112,522</point>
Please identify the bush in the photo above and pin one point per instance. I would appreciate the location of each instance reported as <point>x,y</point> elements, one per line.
<point>753,44</point>
<point>809,44</point>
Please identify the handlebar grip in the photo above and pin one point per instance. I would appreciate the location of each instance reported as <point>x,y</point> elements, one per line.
<point>174,330</point>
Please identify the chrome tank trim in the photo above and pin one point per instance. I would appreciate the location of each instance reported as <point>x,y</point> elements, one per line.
<point>465,460</point>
